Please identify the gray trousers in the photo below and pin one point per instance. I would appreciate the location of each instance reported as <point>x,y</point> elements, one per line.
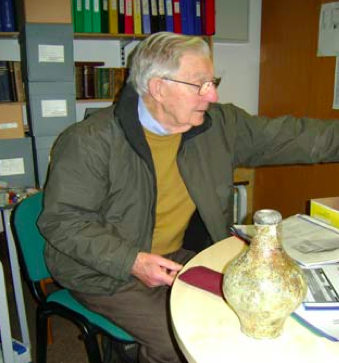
<point>144,313</point>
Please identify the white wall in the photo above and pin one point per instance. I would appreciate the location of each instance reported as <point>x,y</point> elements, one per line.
<point>238,65</point>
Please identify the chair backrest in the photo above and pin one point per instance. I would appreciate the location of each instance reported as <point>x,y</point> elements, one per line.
<point>30,242</point>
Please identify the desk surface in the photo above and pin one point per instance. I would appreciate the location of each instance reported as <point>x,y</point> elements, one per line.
<point>207,330</point>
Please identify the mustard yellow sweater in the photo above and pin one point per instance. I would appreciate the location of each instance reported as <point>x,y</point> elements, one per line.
<point>174,205</point>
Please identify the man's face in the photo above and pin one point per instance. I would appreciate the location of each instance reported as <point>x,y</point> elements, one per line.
<point>182,105</point>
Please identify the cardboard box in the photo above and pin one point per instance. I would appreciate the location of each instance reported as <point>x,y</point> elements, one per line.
<point>44,11</point>
<point>16,162</point>
<point>326,210</point>
<point>47,52</point>
<point>11,121</point>
<point>51,107</point>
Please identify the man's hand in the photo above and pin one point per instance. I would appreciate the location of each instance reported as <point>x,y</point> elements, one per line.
<point>154,270</point>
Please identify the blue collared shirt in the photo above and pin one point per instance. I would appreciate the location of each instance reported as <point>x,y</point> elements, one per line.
<point>148,122</point>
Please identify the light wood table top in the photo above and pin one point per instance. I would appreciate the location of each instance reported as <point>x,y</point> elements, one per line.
<point>208,331</point>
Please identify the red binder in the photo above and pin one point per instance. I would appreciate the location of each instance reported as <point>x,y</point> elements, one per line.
<point>208,17</point>
<point>177,16</point>
<point>129,25</point>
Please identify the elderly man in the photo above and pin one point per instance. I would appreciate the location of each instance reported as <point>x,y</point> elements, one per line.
<point>124,183</point>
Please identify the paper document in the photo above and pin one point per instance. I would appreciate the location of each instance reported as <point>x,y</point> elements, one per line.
<point>328,30</point>
<point>305,239</point>
<point>323,287</point>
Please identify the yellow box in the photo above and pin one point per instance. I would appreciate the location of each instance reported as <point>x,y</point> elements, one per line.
<point>326,210</point>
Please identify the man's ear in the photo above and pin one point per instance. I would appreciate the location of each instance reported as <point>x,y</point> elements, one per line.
<point>155,88</point>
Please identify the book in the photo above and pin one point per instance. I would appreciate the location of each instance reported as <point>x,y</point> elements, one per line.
<point>78,20</point>
<point>107,83</point>
<point>0,31</point>
<point>103,83</point>
<point>161,15</point>
<point>169,15</point>
<point>97,83</point>
<point>177,27</point>
<point>154,16</point>
<point>208,17</point>
<point>129,17</point>
<point>19,84</point>
<point>12,80</point>
<point>87,10</point>
<point>324,323</point>
<point>6,87</point>
<point>79,82</point>
<point>137,17</point>
<point>96,16</point>
<point>119,78</point>
<point>307,240</point>
<point>7,15</point>
<point>121,16</point>
<point>146,19</point>
<point>88,81</point>
<point>323,287</point>
<point>104,17</point>
<point>113,16</point>
<point>85,79</point>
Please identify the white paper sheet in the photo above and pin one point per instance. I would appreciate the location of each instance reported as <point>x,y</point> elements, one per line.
<point>328,37</point>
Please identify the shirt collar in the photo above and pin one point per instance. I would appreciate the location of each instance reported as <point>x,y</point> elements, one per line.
<point>148,122</point>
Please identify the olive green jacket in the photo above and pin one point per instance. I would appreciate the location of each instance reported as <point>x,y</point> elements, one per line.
<point>99,206</point>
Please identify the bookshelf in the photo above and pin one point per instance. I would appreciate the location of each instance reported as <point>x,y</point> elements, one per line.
<point>124,39</point>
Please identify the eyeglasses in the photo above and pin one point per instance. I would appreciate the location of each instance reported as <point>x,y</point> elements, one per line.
<point>203,89</point>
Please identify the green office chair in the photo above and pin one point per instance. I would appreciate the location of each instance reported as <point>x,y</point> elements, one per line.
<point>30,245</point>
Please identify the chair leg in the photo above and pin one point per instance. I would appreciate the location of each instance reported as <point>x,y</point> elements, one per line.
<point>41,336</point>
<point>92,346</point>
<point>43,284</point>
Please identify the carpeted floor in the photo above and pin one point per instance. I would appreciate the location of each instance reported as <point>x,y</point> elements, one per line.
<point>66,347</point>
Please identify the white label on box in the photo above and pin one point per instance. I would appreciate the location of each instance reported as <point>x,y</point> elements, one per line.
<point>54,108</point>
<point>9,125</point>
<point>12,167</point>
<point>51,53</point>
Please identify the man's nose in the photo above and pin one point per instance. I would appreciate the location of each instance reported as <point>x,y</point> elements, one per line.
<point>212,95</point>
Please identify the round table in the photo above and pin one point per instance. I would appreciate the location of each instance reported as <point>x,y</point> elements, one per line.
<point>207,330</point>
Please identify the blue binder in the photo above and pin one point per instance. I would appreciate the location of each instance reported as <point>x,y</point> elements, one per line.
<point>169,15</point>
<point>184,16</point>
<point>197,18</point>
<point>7,16</point>
<point>146,19</point>
<point>161,15</point>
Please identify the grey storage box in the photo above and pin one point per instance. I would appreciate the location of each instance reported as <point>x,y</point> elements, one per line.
<point>16,162</point>
<point>51,107</point>
<point>47,52</point>
<point>42,149</point>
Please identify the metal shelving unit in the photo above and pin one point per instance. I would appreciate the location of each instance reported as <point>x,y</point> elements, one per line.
<point>19,352</point>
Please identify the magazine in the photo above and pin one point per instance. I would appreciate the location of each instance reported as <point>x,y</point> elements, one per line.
<point>323,287</point>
